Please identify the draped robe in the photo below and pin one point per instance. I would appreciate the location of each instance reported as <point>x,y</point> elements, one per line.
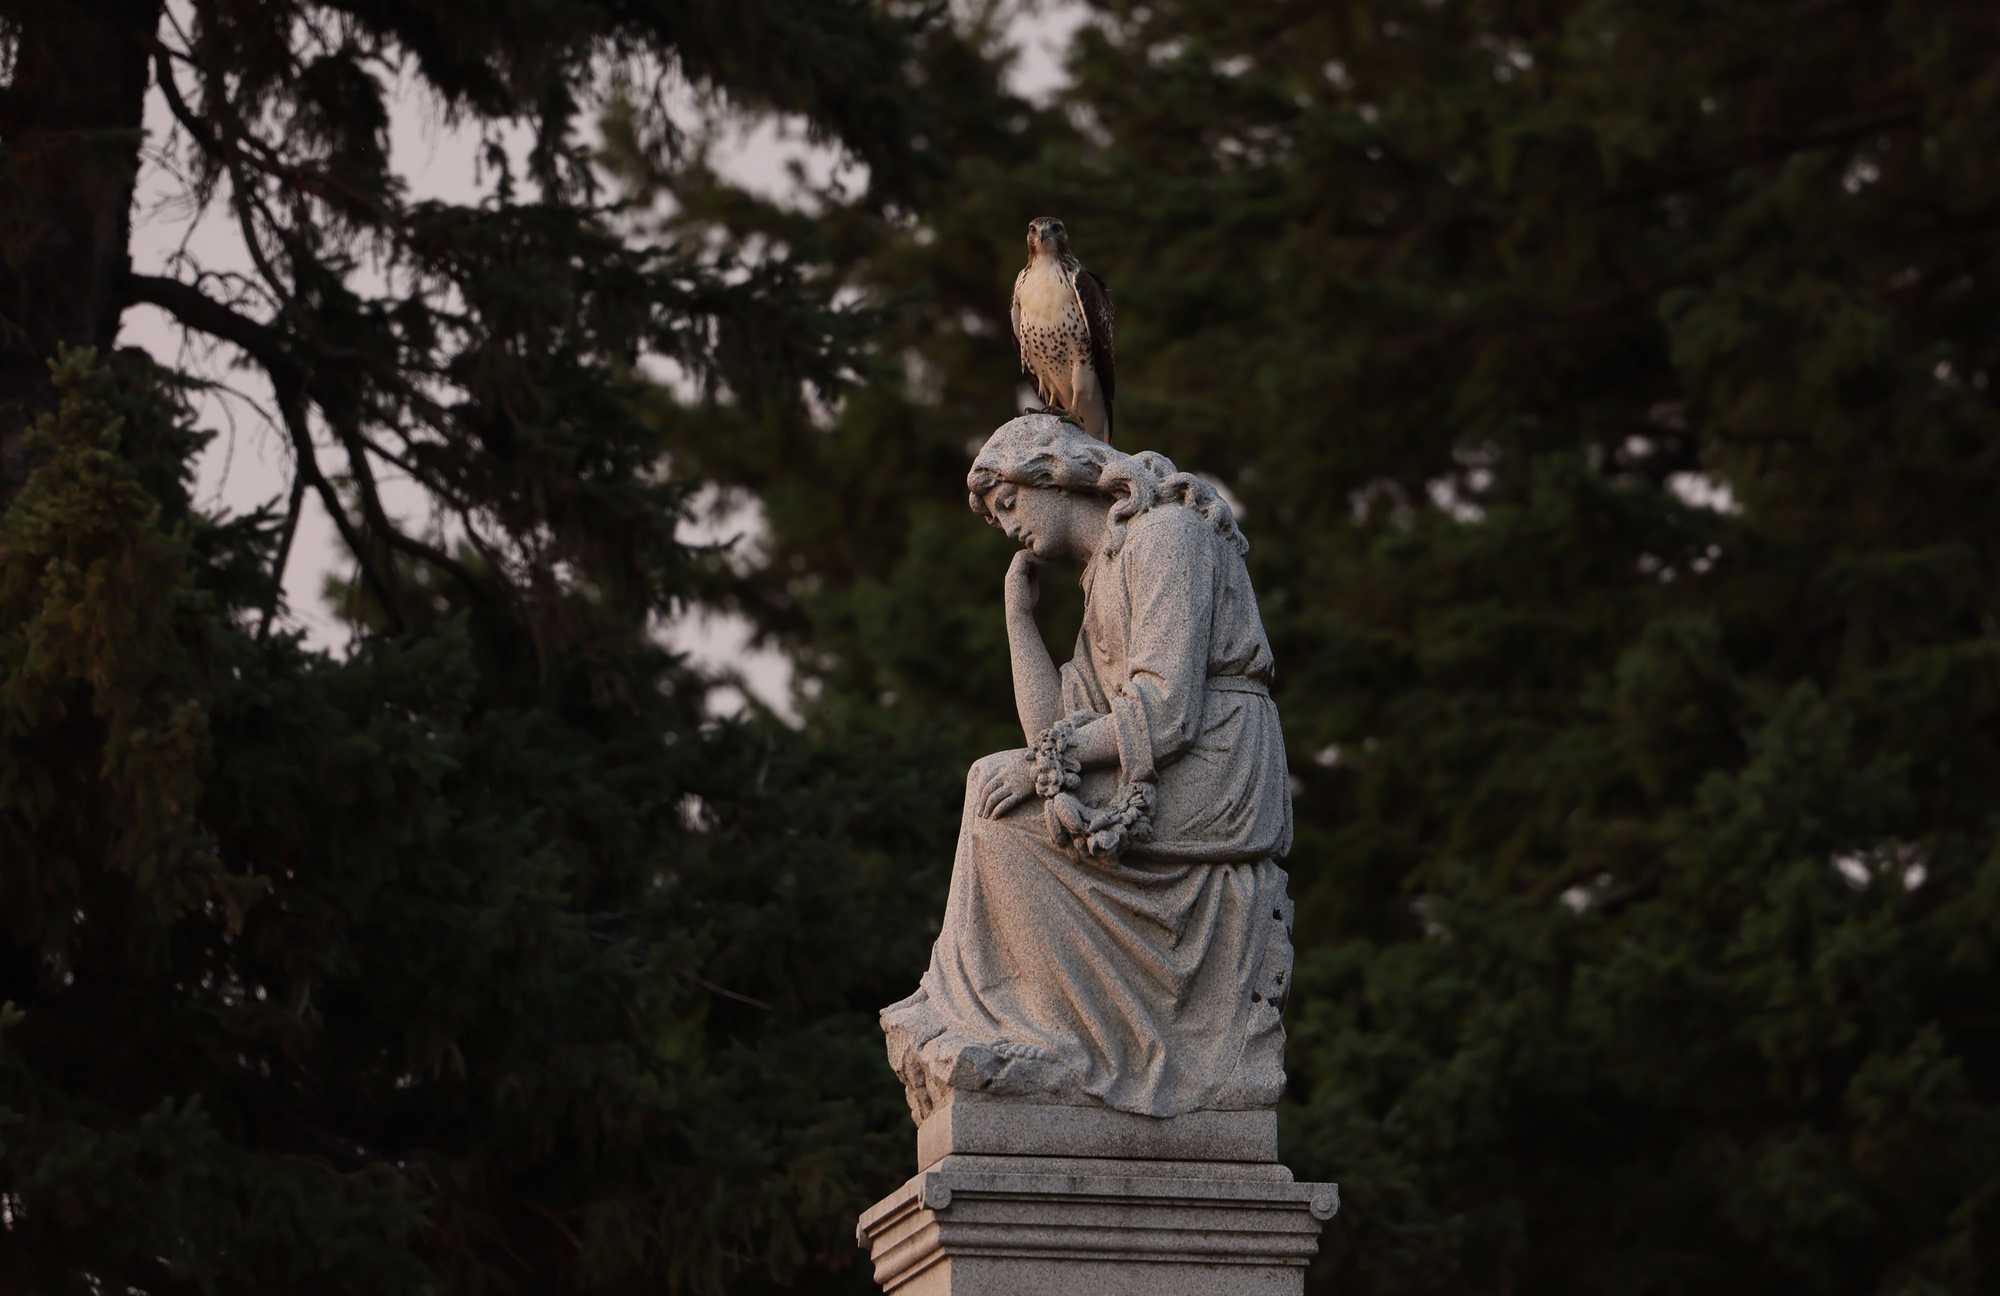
<point>1151,983</point>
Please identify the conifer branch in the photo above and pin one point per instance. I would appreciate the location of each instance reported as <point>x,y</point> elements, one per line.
<point>726,993</point>
<point>241,147</point>
<point>282,557</point>
<point>268,348</point>
<point>378,517</point>
<point>271,351</point>
<point>300,429</point>
<point>1773,149</point>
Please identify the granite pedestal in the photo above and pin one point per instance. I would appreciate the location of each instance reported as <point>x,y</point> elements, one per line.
<point>1013,1197</point>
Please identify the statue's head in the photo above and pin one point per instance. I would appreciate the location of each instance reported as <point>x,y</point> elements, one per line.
<point>1040,451</point>
<point>1043,483</point>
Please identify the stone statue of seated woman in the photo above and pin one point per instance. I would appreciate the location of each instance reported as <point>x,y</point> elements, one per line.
<point>1117,933</point>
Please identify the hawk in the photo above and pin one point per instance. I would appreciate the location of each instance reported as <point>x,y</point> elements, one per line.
<point>1062,321</point>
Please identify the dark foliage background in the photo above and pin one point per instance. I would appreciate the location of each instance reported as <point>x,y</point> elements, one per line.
<point>1607,387</point>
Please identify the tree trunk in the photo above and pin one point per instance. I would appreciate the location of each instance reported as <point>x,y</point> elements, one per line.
<point>71,126</point>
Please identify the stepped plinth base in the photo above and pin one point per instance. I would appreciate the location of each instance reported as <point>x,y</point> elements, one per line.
<point>1096,1207</point>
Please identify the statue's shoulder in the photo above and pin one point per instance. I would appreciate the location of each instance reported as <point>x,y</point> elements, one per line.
<point>1169,525</point>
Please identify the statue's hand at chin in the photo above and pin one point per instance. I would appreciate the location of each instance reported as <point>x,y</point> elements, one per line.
<point>1023,589</point>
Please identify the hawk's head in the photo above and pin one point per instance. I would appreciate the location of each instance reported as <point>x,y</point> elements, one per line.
<point>1047,235</point>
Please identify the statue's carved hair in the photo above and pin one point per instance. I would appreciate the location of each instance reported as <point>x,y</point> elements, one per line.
<point>1042,450</point>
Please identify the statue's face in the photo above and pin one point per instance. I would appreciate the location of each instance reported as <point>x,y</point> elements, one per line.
<point>1041,519</point>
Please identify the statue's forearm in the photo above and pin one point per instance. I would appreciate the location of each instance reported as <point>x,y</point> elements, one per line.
<point>1037,688</point>
<point>1038,693</point>
<point>1097,743</point>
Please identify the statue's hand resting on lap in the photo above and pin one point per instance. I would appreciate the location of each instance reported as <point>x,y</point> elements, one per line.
<point>1003,781</point>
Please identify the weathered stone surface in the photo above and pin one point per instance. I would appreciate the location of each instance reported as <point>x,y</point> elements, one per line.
<point>1095,1054</point>
<point>1117,931</point>
<point>974,1226</point>
<point>971,1123</point>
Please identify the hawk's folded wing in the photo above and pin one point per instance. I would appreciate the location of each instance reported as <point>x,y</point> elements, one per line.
<point>1093,295</point>
<point>1014,313</point>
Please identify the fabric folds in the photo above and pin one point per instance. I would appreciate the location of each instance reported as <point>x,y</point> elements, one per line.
<point>1152,983</point>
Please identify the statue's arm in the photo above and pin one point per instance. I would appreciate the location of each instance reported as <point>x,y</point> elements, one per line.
<point>1037,687</point>
<point>1038,699</point>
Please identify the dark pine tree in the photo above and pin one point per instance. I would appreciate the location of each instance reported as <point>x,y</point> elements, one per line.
<point>1609,387</point>
<point>479,957</point>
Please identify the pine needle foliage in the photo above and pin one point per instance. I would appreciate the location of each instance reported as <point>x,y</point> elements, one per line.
<point>478,956</point>
<point>1608,389</point>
